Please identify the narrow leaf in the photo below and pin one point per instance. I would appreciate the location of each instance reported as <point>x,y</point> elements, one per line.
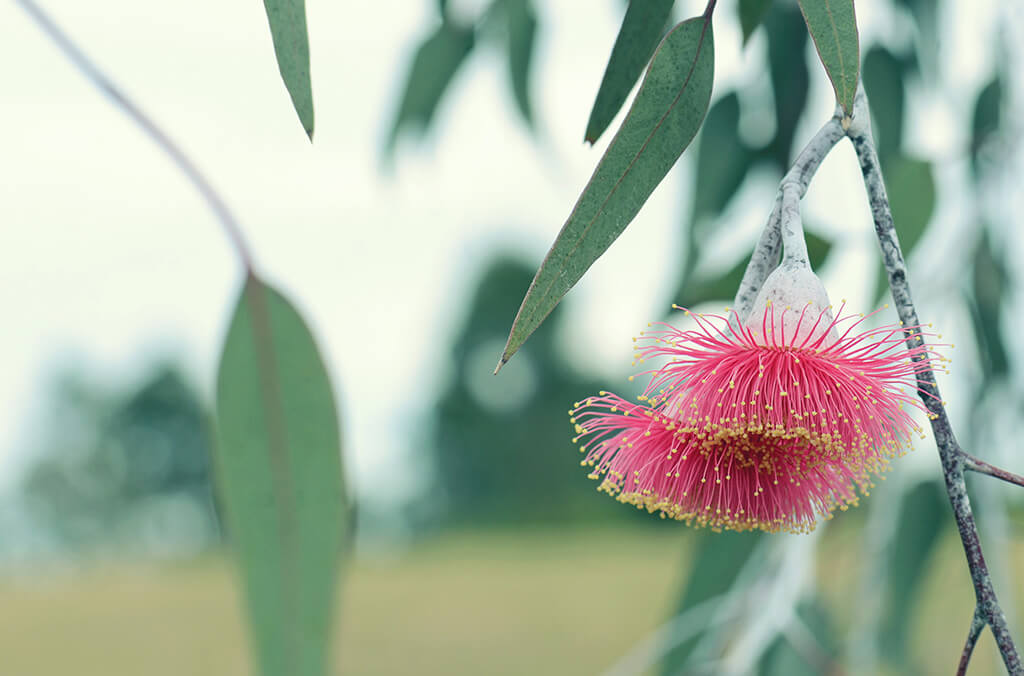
<point>833,27</point>
<point>990,281</point>
<point>641,29</point>
<point>752,12</point>
<point>664,118</point>
<point>718,560</point>
<point>985,121</point>
<point>431,72</point>
<point>291,46</point>
<point>787,67</point>
<point>280,478</point>
<point>922,517</point>
<point>817,650</point>
<point>522,32</point>
<point>883,82</point>
<point>722,158</point>
<point>911,188</point>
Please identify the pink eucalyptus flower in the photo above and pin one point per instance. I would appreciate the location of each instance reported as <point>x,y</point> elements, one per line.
<point>763,423</point>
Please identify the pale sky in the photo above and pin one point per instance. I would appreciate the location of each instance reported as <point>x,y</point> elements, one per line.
<point>108,255</point>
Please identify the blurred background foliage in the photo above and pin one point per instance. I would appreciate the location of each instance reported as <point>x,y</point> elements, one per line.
<point>124,471</point>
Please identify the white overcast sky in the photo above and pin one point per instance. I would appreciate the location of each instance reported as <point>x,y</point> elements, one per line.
<point>108,257</point>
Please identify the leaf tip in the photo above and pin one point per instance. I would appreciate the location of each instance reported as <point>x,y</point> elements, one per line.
<point>501,362</point>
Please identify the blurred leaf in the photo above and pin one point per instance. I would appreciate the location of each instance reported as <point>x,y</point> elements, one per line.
<point>752,12</point>
<point>718,559</point>
<point>922,515</point>
<point>641,30</point>
<point>911,189</point>
<point>787,40</point>
<point>925,18</point>
<point>664,118</point>
<point>810,648</point>
<point>722,159</point>
<point>818,249</point>
<point>833,27</point>
<point>990,279</point>
<point>987,113</point>
<point>883,82</point>
<point>291,46</point>
<point>279,471</point>
<point>522,31</point>
<point>433,67</point>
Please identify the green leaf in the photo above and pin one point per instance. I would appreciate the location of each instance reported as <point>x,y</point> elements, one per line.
<point>718,559</point>
<point>833,27</point>
<point>752,13</point>
<point>280,478</point>
<point>818,249</point>
<point>522,31</point>
<point>923,514</point>
<point>883,82</point>
<point>433,67</point>
<point>911,189</point>
<point>642,28</point>
<point>664,118</point>
<point>291,46</point>
<point>990,279</point>
<point>817,628</point>
<point>722,158</point>
<point>787,67</point>
<point>987,114</point>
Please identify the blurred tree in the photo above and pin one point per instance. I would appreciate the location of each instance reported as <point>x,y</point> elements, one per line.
<point>127,468</point>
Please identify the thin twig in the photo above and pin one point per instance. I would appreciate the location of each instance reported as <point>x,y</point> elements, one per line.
<point>950,454</point>
<point>766,254</point>
<point>977,625</point>
<point>157,135</point>
<point>981,467</point>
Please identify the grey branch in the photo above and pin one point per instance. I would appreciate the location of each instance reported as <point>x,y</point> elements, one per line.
<point>766,254</point>
<point>155,133</point>
<point>977,625</point>
<point>981,467</point>
<point>950,453</point>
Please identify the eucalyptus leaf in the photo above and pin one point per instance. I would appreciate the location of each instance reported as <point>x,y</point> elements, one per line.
<point>433,67</point>
<point>641,30</point>
<point>923,513</point>
<point>833,27</point>
<point>664,118</point>
<point>752,12</point>
<point>291,47</point>
<point>787,67</point>
<point>722,158</point>
<point>279,471</point>
<point>990,279</point>
<point>986,118</point>
<point>911,188</point>
<point>522,32</point>
<point>717,560</point>
<point>883,82</point>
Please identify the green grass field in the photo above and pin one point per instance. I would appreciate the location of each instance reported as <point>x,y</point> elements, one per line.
<point>501,603</point>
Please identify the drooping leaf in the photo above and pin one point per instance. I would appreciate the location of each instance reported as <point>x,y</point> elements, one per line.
<point>722,158</point>
<point>990,280</point>
<point>883,82</point>
<point>522,31</point>
<point>818,249</point>
<point>641,30</point>
<point>787,40</point>
<point>987,114</point>
<point>432,70</point>
<point>751,12</point>
<point>718,559</point>
<point>291,47</point>
<point>664,118</point>
<point>816,628</point>
<point>911,189</point>
<point>833,27</point>
<point>923,513</point>
<point>280,478</point>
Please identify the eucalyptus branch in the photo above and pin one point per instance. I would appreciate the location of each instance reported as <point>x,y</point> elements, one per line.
<point>950,453</point>
<point>981,467</point>
<point>977,625</point>
<point>92,72</point>
<point>766,254</point>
